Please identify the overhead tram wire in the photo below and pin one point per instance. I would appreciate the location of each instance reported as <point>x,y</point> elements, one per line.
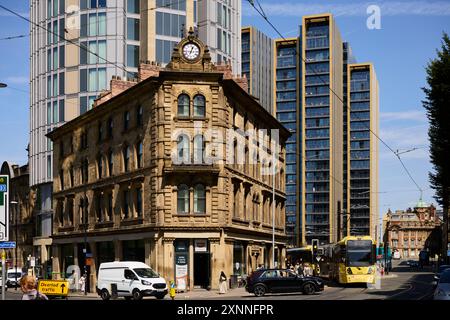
<point>15,37</point>
<point>264,16</point>
<point>63,38</point>
<point>126,71</point>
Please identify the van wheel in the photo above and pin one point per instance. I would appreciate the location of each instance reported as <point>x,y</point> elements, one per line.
<point>105,295</point>
<point>137,295</point>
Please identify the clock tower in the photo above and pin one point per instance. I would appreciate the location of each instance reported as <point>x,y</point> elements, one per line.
<point>191,54</point>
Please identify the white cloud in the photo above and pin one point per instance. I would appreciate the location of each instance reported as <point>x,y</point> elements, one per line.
<point>17,80</point>
<point>403,139</point>
<point>388,8</point>
<point>413,115</point>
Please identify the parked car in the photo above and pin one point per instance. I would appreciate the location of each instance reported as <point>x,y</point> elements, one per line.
<point>413,264</point>
<point>265,281</point>
<point>13,277</point>
<point>442,291</point>
<point>130,280</point>
<point>440,270</point>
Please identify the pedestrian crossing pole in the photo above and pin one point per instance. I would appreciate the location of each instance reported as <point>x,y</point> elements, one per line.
<point>3,273</point>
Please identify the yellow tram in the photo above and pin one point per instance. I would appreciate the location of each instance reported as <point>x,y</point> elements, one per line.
<point>351,260</point>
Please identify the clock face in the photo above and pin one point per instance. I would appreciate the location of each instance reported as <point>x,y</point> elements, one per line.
<point>191,51</point>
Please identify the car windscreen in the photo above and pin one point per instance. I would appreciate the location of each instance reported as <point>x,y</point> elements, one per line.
<point>445,277</point>
<point>146,273</point>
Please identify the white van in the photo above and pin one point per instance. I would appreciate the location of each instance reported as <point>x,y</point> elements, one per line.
<point>131,279</point>
<point>13,277</point>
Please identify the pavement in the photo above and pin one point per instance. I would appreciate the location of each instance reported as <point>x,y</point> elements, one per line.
<point>402,283</point>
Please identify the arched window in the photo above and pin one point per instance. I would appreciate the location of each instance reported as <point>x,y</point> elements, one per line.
<point>126,159</point>
<point>199,106</point>
<point>99,167</point>
<point>183,199</point>
<point>183,105</point>
<point>199,148</point>
<point>199,199</point>
<point>126,120</point>
<point>100,132</point>
<point>110,163</point>
<point>139,115</point>
<point>71,176</point>
<point>139,153</point>
<point>110,128</point>
<point>85,171</point>
<point>183,149</point>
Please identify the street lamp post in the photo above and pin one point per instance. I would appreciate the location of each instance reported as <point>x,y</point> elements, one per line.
<point>17,240</point>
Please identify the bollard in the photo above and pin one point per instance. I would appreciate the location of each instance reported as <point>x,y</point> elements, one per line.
<point>172,291</point>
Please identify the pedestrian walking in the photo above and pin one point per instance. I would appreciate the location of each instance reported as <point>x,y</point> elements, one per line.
<point>307,270</point>
<point>222,283</point>
<point>298,268</point>
<point>82,283</point>
<point>28,284</point>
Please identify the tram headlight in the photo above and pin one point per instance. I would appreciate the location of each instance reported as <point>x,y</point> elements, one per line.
<point>370,270</point>
<point>349,271</point>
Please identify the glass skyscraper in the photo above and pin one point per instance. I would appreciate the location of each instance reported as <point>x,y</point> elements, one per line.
<point>362,149</point>
<point>257,65</point>
<point>312,90</point>
<point>90,41</point>
<point>287,111</point>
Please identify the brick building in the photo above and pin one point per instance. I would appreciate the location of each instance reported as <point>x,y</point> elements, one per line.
<point>144,175</point>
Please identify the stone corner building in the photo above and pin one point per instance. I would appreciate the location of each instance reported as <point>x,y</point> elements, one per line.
<point>119,192</point>
<point>413,230</point>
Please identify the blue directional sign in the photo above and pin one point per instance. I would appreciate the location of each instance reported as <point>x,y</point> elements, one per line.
<point>4,209</point>
<point>7,245</point>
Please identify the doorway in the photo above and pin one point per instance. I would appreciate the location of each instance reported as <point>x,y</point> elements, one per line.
<point>202,274</point>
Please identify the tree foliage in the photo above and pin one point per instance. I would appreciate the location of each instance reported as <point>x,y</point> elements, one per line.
<point>437,105</point>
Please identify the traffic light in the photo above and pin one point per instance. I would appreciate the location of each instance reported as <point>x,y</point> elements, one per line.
<point>315,247</point>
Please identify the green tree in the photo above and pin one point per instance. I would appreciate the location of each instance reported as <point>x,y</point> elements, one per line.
<point>437,104</point>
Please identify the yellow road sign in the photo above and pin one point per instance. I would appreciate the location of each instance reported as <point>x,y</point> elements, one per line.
<point>54,287</point>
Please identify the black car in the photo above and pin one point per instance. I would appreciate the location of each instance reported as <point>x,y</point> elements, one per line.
<point>265,281</point>
<point>441,269</point>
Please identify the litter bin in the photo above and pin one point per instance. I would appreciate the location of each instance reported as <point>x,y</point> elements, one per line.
<point>233,281</point>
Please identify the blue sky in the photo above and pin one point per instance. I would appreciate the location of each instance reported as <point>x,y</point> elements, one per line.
<point>409,35</point>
